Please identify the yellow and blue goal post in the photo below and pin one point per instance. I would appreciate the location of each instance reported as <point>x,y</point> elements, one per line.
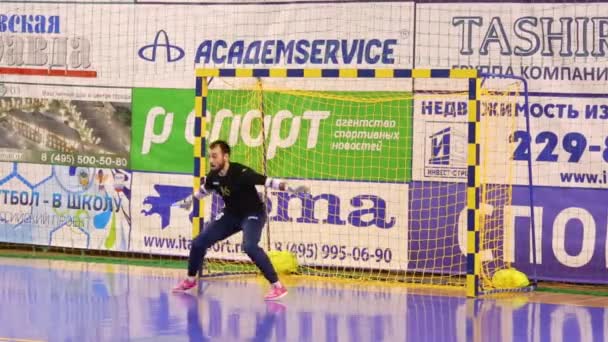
<point>471,273</point>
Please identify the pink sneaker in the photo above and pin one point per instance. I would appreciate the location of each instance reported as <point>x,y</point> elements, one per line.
<point>184,285</point>
<point>276,293</point>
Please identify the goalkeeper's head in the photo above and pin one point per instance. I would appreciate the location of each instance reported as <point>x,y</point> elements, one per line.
<point>219,155</point>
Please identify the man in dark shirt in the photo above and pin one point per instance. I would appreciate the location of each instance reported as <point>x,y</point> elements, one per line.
<point>243,210</point>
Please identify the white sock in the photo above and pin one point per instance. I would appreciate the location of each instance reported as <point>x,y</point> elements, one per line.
<point>190,278</point>
<point>277,284</point>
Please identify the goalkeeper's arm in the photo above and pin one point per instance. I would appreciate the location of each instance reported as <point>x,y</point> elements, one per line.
<point>252,177</point>
<point>282,185</point>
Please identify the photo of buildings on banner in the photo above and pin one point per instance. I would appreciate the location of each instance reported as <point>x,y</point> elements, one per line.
<point>64,126</point>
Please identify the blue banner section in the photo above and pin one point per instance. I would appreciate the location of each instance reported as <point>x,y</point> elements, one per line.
<point>571,228</point>
<point>570,231</point>
<point>65,206</point>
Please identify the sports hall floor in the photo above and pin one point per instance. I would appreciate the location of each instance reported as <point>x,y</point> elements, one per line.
<point>50,300</point>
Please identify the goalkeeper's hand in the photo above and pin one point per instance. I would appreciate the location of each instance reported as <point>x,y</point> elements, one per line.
<point>278,184</point>
<point>186,204</point>
<point>300,189</point>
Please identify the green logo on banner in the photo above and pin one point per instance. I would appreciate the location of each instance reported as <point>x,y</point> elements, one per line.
<point>320,135</point>
<point>160,140</point>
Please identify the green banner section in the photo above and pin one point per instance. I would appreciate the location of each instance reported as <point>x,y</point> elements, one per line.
<point>319,135</point>
<point>159,137</point>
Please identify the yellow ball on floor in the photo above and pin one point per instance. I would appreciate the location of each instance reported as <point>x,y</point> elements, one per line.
<point>284,262</point>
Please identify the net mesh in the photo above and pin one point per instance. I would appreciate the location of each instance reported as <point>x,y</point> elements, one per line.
<point>386,160</point>
<point>500,101</point>
<point>321,139</point>
<point>371,215</point>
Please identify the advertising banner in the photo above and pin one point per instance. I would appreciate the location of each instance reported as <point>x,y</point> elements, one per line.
<point>343,224</point>
<point>340,224</point>
<point>567,142</point>
<point>163,130</point>
<point>556,47</point>
<point>570,230</point>
<point>71,126</point>
<point>63,206</point>
<point>158,45</point>
<point>369,149</point>
<point>320,135</point>
<point>159,225</point>
<point>171,40</point>
<point>75,44</point>
<point>560,50</point>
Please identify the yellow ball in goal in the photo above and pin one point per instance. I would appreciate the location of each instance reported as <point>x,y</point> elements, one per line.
<point>510,278</point>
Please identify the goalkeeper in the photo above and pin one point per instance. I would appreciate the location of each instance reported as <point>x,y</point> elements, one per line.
<point>243,210</point>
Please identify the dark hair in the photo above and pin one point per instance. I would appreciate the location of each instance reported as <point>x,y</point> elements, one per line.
<point>222,145</point>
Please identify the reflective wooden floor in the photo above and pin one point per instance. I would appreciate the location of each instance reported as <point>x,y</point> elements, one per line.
<point>44,300</point>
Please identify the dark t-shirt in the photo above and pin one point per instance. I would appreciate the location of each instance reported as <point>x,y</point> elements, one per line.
<point>237,188</point>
